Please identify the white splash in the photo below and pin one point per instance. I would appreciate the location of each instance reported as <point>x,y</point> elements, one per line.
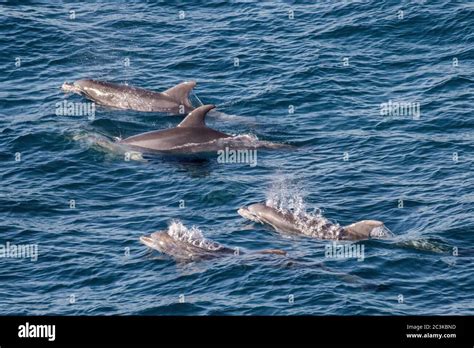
<point>193,235</point>
<point>102,143</point>
<point>289,198</point>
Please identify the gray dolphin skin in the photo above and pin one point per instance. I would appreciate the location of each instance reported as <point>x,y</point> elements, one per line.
<point>188,249</point>
<point>192,130</point>
<point>316,227</point>
<point>178,249</point>
<point>174,100</point>
<point>193,136</point>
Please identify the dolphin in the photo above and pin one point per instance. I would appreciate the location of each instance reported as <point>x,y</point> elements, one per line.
<point>186,247</point>
<point>318,227</point>
<point>191,136</point>
<point>174,100</point>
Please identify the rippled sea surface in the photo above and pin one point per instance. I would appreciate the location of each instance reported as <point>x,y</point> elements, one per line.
<point>291,84</point>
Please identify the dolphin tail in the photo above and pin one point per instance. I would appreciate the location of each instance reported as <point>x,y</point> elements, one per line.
<point>180,93</point>
<point>272,251</point>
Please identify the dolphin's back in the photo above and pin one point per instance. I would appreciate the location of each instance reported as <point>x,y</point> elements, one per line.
<point>185,248</point>
<point>191,135</point>
<point>281,221</point>
<point>128,97</point>
<point>174,138</point>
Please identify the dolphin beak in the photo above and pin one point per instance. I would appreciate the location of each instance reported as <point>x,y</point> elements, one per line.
<point>247,214</point>
<point>147,241</point>
<point>69,87</point>
<point>243,211</point>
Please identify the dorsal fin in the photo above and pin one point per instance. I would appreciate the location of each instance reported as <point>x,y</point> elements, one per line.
<point>362,229</point>
<point>196,117</point>
<point>180,92</point>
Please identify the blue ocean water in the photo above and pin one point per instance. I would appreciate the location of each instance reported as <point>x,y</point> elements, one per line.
<point>314,76</point>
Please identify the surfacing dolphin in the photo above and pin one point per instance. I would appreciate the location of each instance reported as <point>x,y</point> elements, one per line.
<point>313,226</point>
<point>174,100</point>
<point>193,136</point>
<point>184,244</point>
